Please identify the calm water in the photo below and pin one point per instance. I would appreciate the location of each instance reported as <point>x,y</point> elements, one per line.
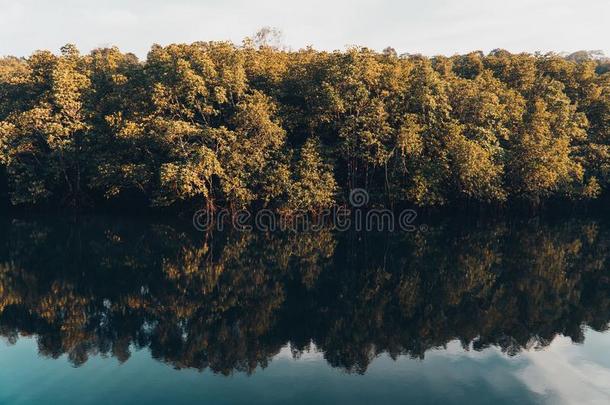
<point>115,310</point>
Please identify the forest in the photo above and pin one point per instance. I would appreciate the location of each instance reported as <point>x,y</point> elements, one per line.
<point>214,124</point>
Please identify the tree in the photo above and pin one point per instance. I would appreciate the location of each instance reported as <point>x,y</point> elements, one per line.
<point>253,155</point>
<point>542,156</point>
<point>314,185</point>
<point>48,139</point>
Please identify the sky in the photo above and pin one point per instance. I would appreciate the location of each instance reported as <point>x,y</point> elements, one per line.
<point>429,27</point>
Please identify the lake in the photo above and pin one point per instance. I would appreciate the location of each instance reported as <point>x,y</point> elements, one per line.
<point>106,309</point>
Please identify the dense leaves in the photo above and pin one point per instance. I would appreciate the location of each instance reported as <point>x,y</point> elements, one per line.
<point>213,124</point>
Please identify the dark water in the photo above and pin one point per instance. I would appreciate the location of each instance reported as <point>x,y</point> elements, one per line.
<point>115,310</point>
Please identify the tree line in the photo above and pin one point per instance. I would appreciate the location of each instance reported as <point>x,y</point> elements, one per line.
<point>214,124</point>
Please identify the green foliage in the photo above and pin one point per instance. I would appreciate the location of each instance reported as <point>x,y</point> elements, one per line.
<point>212,123</point>
<point>314,186</point>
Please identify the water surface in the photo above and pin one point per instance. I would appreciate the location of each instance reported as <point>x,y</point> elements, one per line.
<point>117,310</point>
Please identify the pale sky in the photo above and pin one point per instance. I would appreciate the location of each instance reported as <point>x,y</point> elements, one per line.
<point>428,26</point>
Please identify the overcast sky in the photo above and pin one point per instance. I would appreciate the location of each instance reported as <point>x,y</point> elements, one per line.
<point>429,26</point>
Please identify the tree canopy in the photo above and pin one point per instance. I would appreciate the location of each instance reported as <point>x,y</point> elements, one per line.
<point>215,124</point>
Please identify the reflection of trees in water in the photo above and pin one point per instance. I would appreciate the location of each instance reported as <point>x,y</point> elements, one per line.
<point>230,302</point>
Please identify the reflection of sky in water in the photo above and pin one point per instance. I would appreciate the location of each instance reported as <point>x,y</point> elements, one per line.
<point>562,373</point>
<point>571,373</point>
